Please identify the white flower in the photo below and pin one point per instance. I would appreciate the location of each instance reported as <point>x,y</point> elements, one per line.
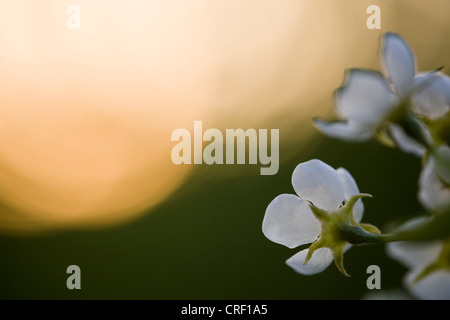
<point>428,278</point>
<point>290,221</point>
<point>434,180</point>
<point>432,97</point>
<point>434,193</point>
<point>430,100</point>
<point>367,97</point>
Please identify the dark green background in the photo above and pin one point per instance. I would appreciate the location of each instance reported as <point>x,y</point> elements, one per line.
<point>206,242</point>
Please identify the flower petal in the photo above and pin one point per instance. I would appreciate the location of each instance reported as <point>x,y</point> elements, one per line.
<point>433,95</point>
<point>405,142</point>
<point>433,194</point>
<point>317,182</point>
<point>435,286</point>
<point>320,260</point>
<point>364,97</point>
<point>414,254</point>
<point>289,221</point>
<point>398,63</point>
<point>351,189</point>
<point>348,131</point>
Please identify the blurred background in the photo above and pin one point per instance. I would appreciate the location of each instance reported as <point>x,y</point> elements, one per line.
<point>86,117</point>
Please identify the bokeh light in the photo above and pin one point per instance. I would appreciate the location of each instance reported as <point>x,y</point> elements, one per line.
<point>87,114</point>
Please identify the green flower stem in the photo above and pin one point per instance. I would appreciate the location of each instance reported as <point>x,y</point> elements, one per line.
<point>357,235</point>
<point>436,228</point>
<point>339,228</point>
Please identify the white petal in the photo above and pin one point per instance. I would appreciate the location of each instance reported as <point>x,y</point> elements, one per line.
<point>351,189</point>
<point>414,254</point>
<point>413,223</point>
<point>320,260</point>
<point>405,142</point>
<point>435,286</point>
<point>398,63</point>
<point>432,97</point>
<point>348,131</point>
<point>365,97</point>
<point>289,221</point>
<point>317,182</point>
<point>433,194</point>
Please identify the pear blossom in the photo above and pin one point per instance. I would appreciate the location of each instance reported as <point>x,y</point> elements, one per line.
<point>434,180</point>
<point>432,99</point>
<point>428,277</point>
<point>432,102</point>
<point>362,104</point>
<point>434,193</point>
<point>368,98</point>
<point>291,220</point>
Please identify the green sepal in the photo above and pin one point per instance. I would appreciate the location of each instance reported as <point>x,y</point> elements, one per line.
<point>383,136</point>
<point>370,228</point>
<point>338,254</point>
<point>338,228</point>
<point>439,128</point>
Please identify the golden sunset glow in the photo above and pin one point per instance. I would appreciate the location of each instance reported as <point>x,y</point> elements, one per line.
<point>86,115</point>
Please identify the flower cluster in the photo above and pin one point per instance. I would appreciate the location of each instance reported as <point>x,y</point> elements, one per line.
<point>402,108</point>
